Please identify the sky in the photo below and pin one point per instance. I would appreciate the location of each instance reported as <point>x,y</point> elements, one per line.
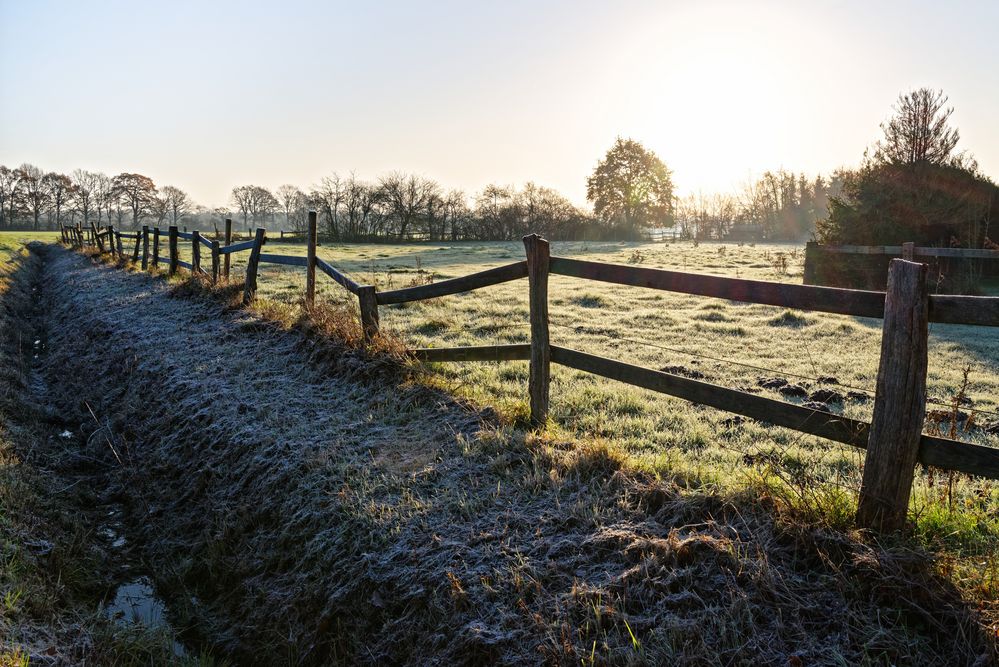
<point>210,95</point>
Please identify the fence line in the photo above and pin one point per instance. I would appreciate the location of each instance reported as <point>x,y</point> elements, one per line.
<point>893,439</point>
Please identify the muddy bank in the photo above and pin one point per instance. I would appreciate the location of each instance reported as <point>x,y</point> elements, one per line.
<point>65,561</point>
<point>313,511</point>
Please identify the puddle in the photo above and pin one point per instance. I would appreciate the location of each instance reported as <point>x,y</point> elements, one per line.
<point>136,602</point>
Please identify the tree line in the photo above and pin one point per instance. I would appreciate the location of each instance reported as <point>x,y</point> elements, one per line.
<point>912,185</point>
<point>33,198</point>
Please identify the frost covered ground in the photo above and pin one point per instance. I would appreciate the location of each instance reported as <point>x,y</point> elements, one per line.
<point>298,501</point>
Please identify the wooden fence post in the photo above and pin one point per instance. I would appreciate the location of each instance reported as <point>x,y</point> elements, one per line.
<point>228,241</point>
<point>156,247</point>
<point>145,247</point>
<point>538,256</point>
<point>367,302</point>
<point>900,401</point>
<point>172,242</point>
<point>62,233</point>
<point>215,261</point>
<point>909,251</point>
<point>195,252</point>
<point>111,246</point>
<point>97,237</point>
<point>121,250</point>
<point>310,269</point>
<point>138,246</point>
<point>250,287</point>
<point>79,234</point>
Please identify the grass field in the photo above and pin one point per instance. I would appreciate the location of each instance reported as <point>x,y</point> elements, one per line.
<point>599,426</point>
<point>728,343</point>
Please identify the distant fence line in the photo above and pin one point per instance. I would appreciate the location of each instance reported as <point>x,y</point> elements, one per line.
<point>860,266</point>
<point>893,438</point>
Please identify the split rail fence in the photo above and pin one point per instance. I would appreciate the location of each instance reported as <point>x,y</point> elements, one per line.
<point>893,438</point>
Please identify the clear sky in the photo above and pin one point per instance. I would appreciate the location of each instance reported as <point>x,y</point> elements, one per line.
<point>209,95</point>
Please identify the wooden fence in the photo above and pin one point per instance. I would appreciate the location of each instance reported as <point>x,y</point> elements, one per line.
<point>855,266</point>
<point>893,439</point>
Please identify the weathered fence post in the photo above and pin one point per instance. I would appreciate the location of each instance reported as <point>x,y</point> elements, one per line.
<point>250,287</point>
<point>228,240</point>
<point>909,251</point>
<point>156,247</point>
<point>145,247</point>
<point>97,237</point>
<point>900,401</point>
<point>111,239</point>
<point>310,269</point>
<point>79,234</point>
<point>195,252</point>
<point>138,246</point>
<point>62,232</point>
<point>172,242</point>
<point>538,256</point>
<point>121,249</point>
<point>367,302</point>
<point>215,261</point>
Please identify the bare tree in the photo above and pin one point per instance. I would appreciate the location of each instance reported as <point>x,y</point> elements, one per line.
<point>59,189</point>
<point>329,197</point>
<point>102,192</point>
<point>32,191</point>
<point>85,184</point>
<point>262,204</point>
<point>406,198</point>
<point>290,199</point>
<point>8,195</point>
<point>138,192</point>
<point>242,199</point>
<point>495,211</point>
<point>176,203</point>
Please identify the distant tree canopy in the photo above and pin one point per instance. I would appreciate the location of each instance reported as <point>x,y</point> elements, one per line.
<point>914,187</point>
<point>631,188</point>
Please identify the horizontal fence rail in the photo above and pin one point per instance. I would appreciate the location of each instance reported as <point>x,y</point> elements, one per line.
<point>917,251</point>
<point>510,352</point>
<point>802,297</point>
<point>340,278</point>
<point>892,306</point>
<point>467,283</point>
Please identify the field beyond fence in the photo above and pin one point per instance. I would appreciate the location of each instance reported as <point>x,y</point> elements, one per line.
<point>893,437</point>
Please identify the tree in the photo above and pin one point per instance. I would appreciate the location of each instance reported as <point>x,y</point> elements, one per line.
<point>32,191</point>
<point>328,197</point>
<point>254,202</point>
<point>242,199</point>
<point>59,189</point>
<point>85,184</point>
<point>8,195</point>
<point>406,198</point>
<point>919,132</point>
<point>496,212</point>
<point>175,202</point>
<point>915,188</point>
<point>103,192</point>
<point>631,187</point>
<point>262,203</point>
<point>138,192</point>
<point>290,199</point>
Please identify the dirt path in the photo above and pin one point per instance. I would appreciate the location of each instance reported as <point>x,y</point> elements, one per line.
<point>313,511</point>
